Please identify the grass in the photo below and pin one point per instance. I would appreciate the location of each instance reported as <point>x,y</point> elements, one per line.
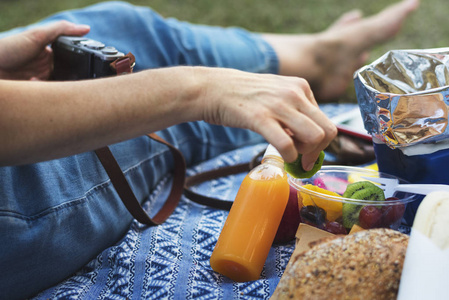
<point>427,28</point>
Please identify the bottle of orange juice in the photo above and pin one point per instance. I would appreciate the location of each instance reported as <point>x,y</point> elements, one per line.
<point>253,220</point>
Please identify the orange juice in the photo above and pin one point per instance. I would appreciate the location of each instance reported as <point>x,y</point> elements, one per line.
<point>252,223</point>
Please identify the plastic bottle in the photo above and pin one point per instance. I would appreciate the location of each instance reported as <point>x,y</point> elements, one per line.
<point>248,233</point>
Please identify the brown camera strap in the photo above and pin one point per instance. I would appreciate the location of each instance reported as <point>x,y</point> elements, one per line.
<point>127,195</point>
<point>125,65</point>
<point>179,186</point>
<point>214,174</point>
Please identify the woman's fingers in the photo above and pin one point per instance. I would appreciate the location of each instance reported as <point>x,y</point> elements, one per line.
<point>50,32</point>
<point>311,128</point>
<point>307,138</point>
<point>299,126</point>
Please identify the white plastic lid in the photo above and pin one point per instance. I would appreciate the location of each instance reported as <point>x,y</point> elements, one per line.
<point>271,151</point>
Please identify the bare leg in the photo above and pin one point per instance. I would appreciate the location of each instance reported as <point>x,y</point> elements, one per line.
<point>328,59</point>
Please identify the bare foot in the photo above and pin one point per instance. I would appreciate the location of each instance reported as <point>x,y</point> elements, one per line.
<point>328,59</point>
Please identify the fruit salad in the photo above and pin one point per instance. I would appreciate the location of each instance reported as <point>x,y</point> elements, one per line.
<point>337,214</point>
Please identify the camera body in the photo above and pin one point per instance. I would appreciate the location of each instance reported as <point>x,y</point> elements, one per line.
<point>82,58</point>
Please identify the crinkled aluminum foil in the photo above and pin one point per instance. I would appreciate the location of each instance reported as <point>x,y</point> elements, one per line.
<point>404,96</point>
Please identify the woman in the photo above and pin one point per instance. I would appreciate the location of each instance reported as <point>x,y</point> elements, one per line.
<point>205,92</point>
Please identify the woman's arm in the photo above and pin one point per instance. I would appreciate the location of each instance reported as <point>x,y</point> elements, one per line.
<point>47,120</point>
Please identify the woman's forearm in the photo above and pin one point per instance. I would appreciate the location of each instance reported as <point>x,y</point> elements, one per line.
<point>46,120</point>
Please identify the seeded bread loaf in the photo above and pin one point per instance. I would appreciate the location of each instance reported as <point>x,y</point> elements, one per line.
<point>364,265</point>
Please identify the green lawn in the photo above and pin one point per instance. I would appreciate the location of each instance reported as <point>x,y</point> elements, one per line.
<point>427,28</point>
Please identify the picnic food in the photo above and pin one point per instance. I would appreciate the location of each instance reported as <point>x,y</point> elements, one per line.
<point>327,210</point>
<point>356,228</point>
<point>364,265</point>
<point>432,218</point>
<point>362,190</point>
<point>392,213</point>
<point>313,215</point>
<point>296,170</point>
<point>370,217</point>
<point>333,208</point>
<point>335,227</point>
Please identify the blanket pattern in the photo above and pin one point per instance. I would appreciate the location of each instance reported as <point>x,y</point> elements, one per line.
<point>171,261</point>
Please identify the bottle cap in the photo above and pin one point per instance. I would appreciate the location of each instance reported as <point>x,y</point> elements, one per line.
<point>271,151</point>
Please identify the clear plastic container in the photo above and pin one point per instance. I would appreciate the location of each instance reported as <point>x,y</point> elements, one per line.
<point>321,203</point>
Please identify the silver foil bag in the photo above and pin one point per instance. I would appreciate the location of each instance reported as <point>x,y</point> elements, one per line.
<point>404,96</point>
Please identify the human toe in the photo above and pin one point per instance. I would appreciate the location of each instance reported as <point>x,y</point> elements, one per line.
<point>347,18</point>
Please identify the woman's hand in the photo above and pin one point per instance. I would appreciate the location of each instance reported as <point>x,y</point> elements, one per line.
<point>282,109</point>
<point>26,55</point>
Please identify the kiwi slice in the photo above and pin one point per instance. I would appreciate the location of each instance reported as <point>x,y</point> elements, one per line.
<point>296,170</point>
<point>357,190</point>
<point>362,190</point>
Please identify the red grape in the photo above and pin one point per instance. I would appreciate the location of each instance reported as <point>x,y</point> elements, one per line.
<point>335,228</point>
<point>392,213</point>
<point>370,217</point>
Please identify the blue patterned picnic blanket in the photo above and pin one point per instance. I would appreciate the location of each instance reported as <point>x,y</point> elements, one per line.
<point>171,261</point>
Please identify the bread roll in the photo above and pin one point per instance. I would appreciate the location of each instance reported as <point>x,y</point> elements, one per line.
<point>364,265</point>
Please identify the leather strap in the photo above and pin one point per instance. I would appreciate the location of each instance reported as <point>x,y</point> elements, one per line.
<point>125,65</point>
<point>128,197</point>
<point>213,174</point>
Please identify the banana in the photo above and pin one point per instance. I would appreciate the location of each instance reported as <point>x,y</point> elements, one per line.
<point>432,218</point>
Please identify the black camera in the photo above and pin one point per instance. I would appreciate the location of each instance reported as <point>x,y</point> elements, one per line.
<point>82,58</point>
